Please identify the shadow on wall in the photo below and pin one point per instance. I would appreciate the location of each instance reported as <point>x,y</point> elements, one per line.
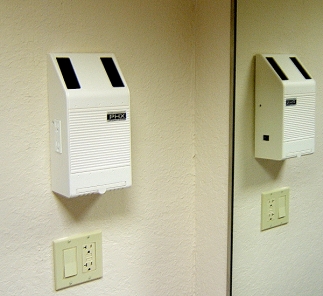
<point>112,203</point>
<point>272,167</point>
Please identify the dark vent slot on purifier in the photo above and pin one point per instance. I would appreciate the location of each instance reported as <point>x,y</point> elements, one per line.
<point>112,72</point>
<point>277,69</point>
<point>68,73</point>
<point>300,68</point>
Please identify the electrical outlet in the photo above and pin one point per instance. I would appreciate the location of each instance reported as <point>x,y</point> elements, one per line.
<point>77,259</point>
<point>271,208</point>
<point>89,257</point>
<point>274,208</point>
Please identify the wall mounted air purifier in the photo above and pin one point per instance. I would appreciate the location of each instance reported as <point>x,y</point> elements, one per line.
<point>284,107</point>
<point>89,111</point>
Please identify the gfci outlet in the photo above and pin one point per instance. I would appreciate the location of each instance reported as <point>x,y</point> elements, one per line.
<point>274,208</point>
<point>77,259</point>
<point>89,257</point>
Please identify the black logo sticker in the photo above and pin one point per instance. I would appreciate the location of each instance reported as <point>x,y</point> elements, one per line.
<point>117,116</point>
<point>291,102</point>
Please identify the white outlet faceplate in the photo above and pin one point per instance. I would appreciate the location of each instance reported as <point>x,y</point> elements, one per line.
<point>77,259</point>
<point>274,208</point>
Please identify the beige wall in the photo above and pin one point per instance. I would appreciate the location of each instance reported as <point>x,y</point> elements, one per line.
<point>212,144</point>
<point>149,230</point>
<point>286,260</point>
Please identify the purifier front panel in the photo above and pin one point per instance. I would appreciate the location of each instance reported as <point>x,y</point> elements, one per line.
<point>97,143</point>
<point>299,117</point>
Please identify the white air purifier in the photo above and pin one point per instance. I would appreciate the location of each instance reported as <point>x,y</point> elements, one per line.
<point>284,107</point>
<point>89,111</point>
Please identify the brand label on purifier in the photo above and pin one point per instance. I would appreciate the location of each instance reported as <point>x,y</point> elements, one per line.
<point>291,102</point>
<point>117,116</point>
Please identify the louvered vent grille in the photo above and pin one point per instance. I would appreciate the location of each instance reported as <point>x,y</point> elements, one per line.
<point>96,143</point>
<point>299,119</point>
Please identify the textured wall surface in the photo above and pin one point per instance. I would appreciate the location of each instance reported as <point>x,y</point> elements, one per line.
<point>212,144</point>
<point>286,260</point>
<point>149,230</point>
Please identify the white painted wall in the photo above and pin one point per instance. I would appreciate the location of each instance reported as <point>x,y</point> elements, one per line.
<point>149,230</point>
<point>286,260</point>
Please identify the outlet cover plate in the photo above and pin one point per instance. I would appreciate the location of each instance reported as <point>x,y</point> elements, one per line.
<point>69,273</point>
<point>274,208</point>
